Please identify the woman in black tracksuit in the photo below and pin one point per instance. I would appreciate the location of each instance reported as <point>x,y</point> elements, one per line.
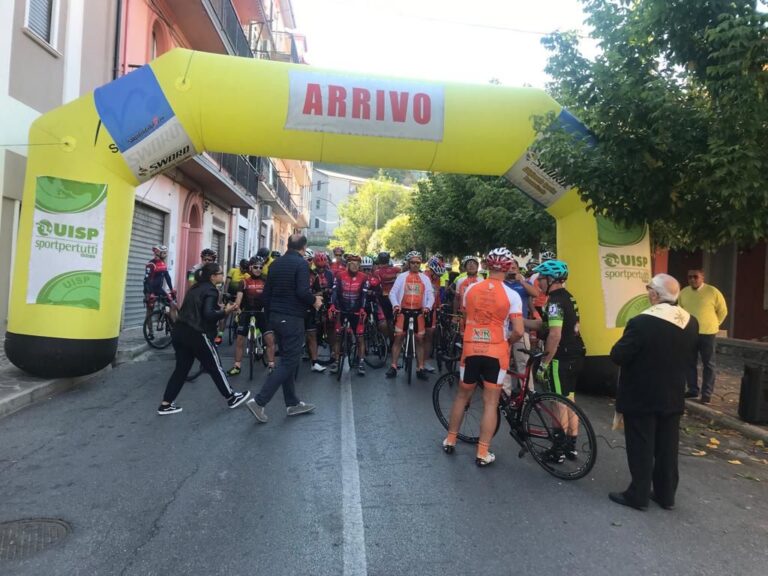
<point>193,336</point>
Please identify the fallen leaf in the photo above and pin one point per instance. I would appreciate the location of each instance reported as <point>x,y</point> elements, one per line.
<point>698,453</point>
<point>714,441</point>
<point>759,443</point>
<point>734,461</point>
<point>712,446</point>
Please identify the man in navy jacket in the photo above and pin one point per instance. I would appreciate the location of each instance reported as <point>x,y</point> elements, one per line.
<point>654,355</point>
<point>287,295</point>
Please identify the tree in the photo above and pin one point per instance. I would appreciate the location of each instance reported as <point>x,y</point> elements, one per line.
<point>359,213</point>
<point>677,102</point>
<point>458,214</point>
<point>399,237</point>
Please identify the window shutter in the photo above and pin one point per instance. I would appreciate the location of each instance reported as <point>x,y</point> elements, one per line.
<point>40,16</point>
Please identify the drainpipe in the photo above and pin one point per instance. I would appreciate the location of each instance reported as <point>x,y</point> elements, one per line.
<point>118,29</point>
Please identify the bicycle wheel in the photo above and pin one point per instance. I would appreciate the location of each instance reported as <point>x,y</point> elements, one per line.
<point>157,329</point>
<point>345,351</point>
<point>375,347</point>
<point>233,321</point>
<point>544,422</point>
<point>437,349</point>
<point>443,395</point>
<point>250,352</point>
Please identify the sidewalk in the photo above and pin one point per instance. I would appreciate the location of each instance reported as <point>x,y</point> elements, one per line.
<point>18,389</point>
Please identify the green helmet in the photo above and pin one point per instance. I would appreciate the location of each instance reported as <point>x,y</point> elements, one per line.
<point>555,269</point>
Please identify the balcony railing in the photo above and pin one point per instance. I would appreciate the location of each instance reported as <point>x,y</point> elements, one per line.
<point>242,169</point>
<point>232,27</point>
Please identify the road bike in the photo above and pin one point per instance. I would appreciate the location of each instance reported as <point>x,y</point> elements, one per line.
<point>348,347</point>
<point>446,343</point>
<point>254,343</point>
<point>324,351</point>
<point>409,342</point>
<point>159,324</point>
<point>234,321</point>
<point>538,422</point>
<point>376,346</point>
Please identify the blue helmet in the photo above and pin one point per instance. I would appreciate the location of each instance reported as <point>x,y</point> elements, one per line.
<point>555,269</point>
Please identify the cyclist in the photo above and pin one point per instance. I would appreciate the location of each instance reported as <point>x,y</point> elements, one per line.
<point>434,272</point>
<point>471,265</point>
<point>338,264</point>
<point>250,300</point>
<point>235,276</point>
<point>207,256</point>
<point>310,317</point>
<point>491,307</point>
<point>348,302</point>
<point>387,274</point>
<point>156,277</point>
<point>411,297</point>
<point>526,291</point>
<point>324,286</point>
<point>374,298</point>
<point>564,349</point>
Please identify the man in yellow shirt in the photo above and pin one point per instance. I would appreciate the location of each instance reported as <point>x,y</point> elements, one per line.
<point>707,305</point>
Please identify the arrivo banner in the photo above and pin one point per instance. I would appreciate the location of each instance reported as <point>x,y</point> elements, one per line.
<point>342,104</point>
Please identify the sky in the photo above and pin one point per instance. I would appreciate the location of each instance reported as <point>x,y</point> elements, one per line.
<point>470,41</point>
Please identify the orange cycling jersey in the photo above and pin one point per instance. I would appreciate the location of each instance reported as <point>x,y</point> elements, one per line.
<point>462,286</point>
<point>489,306</point>
<point>412,291</point>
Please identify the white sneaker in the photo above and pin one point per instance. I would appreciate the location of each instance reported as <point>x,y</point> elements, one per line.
<point>429,368</point>
<point>257,411</point>
<point>300,408</point>
<point>317,367</point>
<point>487,461</point>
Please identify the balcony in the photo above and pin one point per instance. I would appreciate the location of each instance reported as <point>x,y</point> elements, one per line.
<point>211,26</point>
<point>272,189</point>
<point>230,178</point>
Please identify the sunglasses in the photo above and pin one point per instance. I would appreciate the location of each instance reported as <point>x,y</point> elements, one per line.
<point>694,276</point>
<point>256,267</point>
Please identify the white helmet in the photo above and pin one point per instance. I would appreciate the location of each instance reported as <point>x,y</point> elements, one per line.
<point>309,253</point>
<point>366,262</point>
<point>499,259</point>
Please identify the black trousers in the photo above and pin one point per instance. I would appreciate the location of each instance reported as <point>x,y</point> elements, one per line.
<point>652,445</point>
<point>189,345</point>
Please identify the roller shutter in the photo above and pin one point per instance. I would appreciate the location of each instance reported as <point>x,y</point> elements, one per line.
<point>147,231</point>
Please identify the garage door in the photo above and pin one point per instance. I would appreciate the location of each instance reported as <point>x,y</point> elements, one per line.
<point>241,234</point>
<point>217,245</point>
<point>147,231</point>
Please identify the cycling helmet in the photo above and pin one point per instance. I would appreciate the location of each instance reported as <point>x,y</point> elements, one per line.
<point>275,254</point>
<point>208,253</point>
<point>499,259</point>
<point>256,260</point>
<point>263,253</point>
<point>438,256</point>
<point>412,254</point>
<point>243,264</point>
<point>547,255</point>
<point>435,265</point>
<point>366,262</point>
<point>383,258</point>
<point>309,254</point>
<point>469,257</point>
<point>351,257</point>
<point>159,248</point>
<point>321,259</point>
<point>555,269</point>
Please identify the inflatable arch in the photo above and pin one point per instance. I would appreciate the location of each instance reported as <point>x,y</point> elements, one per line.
<point>87,156</point>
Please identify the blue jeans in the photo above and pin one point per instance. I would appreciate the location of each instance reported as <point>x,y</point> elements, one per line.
<point>289,332</point>
<point>705,347</point>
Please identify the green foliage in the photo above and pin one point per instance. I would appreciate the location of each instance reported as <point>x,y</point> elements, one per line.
<point>399,237</point>
<point>358,214</point>
<point>457,214</point>
<point>678,103</point>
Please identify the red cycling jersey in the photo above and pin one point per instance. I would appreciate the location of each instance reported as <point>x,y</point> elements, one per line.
<point>387,275</point>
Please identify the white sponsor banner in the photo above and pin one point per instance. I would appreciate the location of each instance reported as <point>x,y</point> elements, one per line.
<point>166,147</point>
<point>625,270</point>
<point>67,243</point>
<point>342,104</point>
<point>528,175</point>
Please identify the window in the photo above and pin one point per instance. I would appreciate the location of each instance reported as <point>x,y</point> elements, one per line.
<point>317,223</point>
<point>317,203</point>
<point>318,185</point>
<point>41,19</point>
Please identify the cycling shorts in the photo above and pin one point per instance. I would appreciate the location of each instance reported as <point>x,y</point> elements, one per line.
<point>564,374</point>
<point>401,321</point>
<point>487,369</point>
<point>245,319</point>
<point>354,321</point>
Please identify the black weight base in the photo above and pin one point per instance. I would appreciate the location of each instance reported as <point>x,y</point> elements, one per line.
<point>58,357</point>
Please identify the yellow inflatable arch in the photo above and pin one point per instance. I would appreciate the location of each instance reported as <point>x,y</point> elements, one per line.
<point>70,264</point>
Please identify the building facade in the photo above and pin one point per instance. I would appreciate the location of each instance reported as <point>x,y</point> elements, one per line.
<point>329,190</point>
<point>53,51</point>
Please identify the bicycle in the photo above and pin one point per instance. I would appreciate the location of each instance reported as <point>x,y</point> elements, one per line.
<point>158,326</point>
<point>254,344</point>
<point>324,352</point>
<point>536,421</point>
<point>376,346</point>
<point>447,340</point>
<point>234,321</point>
<point>348,346</point>
<point>409,345</point>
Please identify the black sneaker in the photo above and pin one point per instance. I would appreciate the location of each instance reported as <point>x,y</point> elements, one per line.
<point>238,398</point>
<point>168,409</point>
<point>570,448</point>
<point>422,374</point>
<point>391,373</point>
<point>554,456</point>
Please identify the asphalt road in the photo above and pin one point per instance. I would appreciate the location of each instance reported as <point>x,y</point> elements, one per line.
<point>361,486</point>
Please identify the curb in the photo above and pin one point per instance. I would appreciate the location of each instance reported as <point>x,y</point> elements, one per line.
<point>748,430</point>
<point>33,392</point>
